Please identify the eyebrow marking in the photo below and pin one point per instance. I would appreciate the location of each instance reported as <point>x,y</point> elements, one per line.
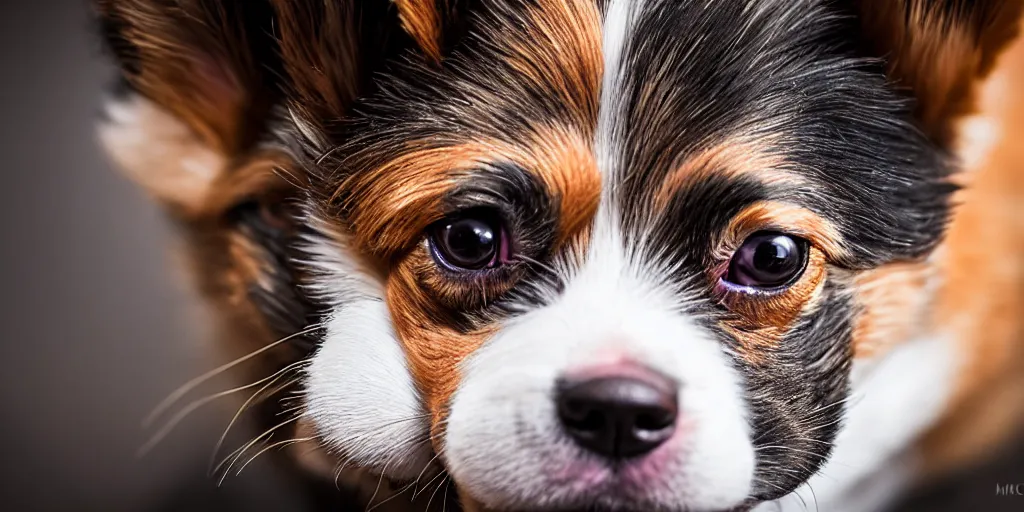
<point>786,217</point>
<point>733,157</point>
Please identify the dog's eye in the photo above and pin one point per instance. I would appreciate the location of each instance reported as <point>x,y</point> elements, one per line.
<point>472,241</point>
<point>768,260</point>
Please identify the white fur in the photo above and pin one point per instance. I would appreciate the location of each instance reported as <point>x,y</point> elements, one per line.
<point>894,399</point>
<point>159,152</point>
<point>618,23</point>
<point>361,396</point>
<point>341,276</point>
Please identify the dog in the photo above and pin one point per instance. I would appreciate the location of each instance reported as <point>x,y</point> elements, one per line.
<point>681,255</point>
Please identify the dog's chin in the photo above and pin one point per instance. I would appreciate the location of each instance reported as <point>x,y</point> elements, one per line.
<point>591,504</point>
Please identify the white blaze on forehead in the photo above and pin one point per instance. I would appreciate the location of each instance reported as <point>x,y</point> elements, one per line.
<point>619,20</point>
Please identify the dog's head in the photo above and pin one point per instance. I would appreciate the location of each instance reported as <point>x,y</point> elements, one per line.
<point>578,254</point>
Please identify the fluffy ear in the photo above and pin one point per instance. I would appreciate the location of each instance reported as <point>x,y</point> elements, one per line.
<point>331,50</point>
<point>938,50</point>
<point>200,77</point>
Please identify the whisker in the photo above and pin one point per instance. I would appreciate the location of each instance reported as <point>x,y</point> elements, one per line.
<point>389,498</point>
<point>424,470</point>
<point>813,496</point>
<point>286,442</point>
<point>439,474</point>
<point>337,474</point>
<point>379,482</point>
<point>184,413</point>
<point>252,399</point>
<point>444,504</point>
<point>439,485</point>
<point>194,383</point>
<point>241,451</point>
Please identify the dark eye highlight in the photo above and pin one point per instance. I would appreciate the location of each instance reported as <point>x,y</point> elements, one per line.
<point>768,260</point>
<point>469,241</point>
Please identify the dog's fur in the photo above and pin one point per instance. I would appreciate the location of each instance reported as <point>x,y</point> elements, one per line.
<point>629,147</point>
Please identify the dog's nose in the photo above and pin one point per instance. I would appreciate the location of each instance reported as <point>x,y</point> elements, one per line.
<point>618,417</point>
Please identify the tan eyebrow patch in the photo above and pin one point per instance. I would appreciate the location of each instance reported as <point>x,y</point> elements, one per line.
<point>392,205</point>
<point>565,164</point>
<point>787,218</point>
<point>742,156</point>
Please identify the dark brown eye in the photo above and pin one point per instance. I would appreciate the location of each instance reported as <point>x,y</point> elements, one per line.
<point>768,260</point>
<point>470,242</point>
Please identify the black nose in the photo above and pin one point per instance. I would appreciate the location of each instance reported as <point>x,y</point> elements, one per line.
<point>618,417</point>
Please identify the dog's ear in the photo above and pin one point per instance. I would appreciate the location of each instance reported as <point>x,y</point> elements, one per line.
<point>938,50</point>
<point>331,51</point>
<point>200,78</point>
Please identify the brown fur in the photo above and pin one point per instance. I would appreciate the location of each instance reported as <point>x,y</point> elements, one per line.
<point>981,300</point>
<point>733,157</point>
<point>321,55</point>
<point>434,349</point>
<point>563,50</point>
<point>402,207</point>
<point>937,58</point>
<point>981,284</point>
<point>196,61</point>
<point>423,19</point>
<point>392,205</point>
<point>893,300</point>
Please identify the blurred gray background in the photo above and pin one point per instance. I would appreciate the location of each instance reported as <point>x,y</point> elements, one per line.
<point>96,327</point>
<point>96,324</point>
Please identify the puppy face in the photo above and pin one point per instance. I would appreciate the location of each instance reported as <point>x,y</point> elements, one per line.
<point>643,209</point>
<point>604,254</point>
